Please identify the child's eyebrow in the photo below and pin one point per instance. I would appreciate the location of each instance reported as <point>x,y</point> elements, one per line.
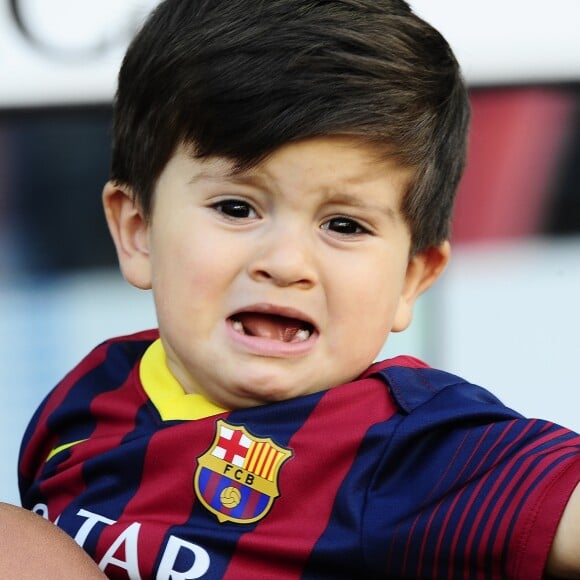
<point>213,172</point>
<point>341,198</point>
<point>228,174</point>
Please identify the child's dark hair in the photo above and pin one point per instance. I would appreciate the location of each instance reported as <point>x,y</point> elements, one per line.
<point>240,78</point>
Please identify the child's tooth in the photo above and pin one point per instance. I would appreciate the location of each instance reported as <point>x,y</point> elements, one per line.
<point>301,335</point>
<point>238,326</point>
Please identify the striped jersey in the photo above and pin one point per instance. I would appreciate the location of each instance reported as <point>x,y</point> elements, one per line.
<point>407,472</point>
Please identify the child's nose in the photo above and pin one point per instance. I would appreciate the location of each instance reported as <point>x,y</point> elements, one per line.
<point>285,259</point>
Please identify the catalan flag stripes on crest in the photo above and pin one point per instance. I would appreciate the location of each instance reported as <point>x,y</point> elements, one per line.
<point>262,459</point>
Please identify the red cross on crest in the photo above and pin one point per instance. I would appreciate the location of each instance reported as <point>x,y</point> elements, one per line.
<point>232,445</point>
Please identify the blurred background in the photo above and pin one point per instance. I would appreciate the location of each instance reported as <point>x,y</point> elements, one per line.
<point>506,313</point>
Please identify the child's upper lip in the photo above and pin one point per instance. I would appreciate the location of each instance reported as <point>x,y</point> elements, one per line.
<point>277,310</point>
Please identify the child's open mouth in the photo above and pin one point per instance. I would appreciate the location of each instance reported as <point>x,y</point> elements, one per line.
<point>272,326</point>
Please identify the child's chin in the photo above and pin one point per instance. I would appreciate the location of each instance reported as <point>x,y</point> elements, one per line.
<point>265,391</point>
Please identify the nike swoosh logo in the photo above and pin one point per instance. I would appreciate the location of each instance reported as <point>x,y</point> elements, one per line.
<point>63,447</point>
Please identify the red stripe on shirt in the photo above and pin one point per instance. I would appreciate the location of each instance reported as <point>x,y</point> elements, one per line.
<point>160,494</point>
<point>536,538</point>
<point>43,442</point>
<point>325,438</point>
<point>68,482</point>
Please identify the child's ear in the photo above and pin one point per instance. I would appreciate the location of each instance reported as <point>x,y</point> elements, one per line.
<point>423,269</point>
<point>130,232</point>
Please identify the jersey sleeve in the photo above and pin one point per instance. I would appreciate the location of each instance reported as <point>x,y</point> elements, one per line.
<point>472,489</point>
<point>67,416</point>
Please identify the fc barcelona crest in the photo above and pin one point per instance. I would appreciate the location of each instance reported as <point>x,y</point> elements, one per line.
<point>237,477</point>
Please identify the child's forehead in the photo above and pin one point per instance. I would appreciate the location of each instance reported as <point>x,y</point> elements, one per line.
<point>348,160</point>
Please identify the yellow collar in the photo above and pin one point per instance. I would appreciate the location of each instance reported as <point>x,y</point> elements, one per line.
<point>168,396</point>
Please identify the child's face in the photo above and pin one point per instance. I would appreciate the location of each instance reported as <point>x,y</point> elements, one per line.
<point>282,280</point>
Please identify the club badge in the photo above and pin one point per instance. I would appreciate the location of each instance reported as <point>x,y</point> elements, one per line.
<point>237,477</point>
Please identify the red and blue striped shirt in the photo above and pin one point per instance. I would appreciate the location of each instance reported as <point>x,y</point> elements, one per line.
<point>407,472</point>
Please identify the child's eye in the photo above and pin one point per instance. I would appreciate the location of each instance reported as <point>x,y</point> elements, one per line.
<point>345,226</point>
<point>235,209</point>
